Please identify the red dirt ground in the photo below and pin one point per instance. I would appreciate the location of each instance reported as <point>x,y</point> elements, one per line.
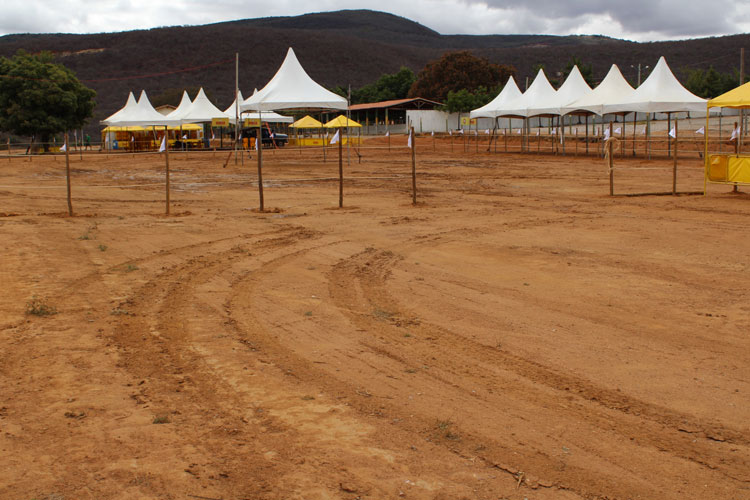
<point>518,334</point>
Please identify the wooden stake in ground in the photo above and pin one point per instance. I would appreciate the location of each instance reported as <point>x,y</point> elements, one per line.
<point>674,166</point>
<point>413,147</point>
<point>166,160</point>
<point>8,149</point>
<point>341,170</point>
<point>67,175</point>
<point>611,162</point>
<point>259,144</point>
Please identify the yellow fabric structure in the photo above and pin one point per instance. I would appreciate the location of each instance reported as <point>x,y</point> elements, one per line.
<point>728,168</point>
<point>735,98</point>
<point>307,122</point>
<point>135,128</point>
<point>341,122</point>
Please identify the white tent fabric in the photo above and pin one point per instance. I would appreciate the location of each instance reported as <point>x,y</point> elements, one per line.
<point>573,88</point>
<point>510,93</point>
<point>269,116</point>
<point>129,105</point>
<point>539,95</point>
<point>292,88</point>
<point>142,114</point>
<point>201,110</point>
<point>182,108</point>
<point>231,111</point>
<point>613,88</point>
<point>660,93</point>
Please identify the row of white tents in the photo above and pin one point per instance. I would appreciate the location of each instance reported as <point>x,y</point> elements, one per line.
<point>661,92</point>
<point>290,88</point>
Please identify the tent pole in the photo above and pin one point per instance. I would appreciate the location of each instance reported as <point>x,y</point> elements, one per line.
<point>648,135</point>
<point>259,145</point>
<point>635,116</point>
<point>236,103</point>
<point>669,128</point>
<point>587,135</point>
<point>705,153</point>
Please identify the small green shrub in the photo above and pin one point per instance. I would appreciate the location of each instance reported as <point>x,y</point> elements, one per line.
<point>38,307</point>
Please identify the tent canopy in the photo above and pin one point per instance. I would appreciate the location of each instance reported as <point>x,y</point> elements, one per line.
<point>341,122</point>
<point>510,92</point>
<point>660,93</point>
<point>182,108</point>
<point>143,113</point>
<point>573,88</point>
<point>613,88</point>
<point>129,106</point>
<point>735,98</point>
<point>200,111</point>
<point>307,122</point>
<point>539,95</point>
<point>292,88</point>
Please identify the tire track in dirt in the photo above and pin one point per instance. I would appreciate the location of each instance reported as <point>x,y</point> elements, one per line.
<point>371,269</point>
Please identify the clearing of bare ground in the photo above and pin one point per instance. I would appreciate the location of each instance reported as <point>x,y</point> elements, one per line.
<point>518,334</point>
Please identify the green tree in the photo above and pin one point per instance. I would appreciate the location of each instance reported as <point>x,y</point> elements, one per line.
<point>710,83</point>
<point>386,88</point>
<point>40,98</point>
<point>456,71</point>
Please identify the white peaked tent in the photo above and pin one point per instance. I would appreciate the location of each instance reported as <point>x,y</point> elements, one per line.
<point>270,117</point>
<point>231,111</point>
<point>574,87</point>
<point>182,108</point>
<point>660,93</point>
<point>141,114</point>
<point>292,88</point>
<point>201,110</point>
<point>614,87</point>
<point>539,95</point>
<point>125,110</point>
<point>510,93</point>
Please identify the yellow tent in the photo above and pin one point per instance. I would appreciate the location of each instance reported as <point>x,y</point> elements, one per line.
<point>735,98</point>
<point>728,168</point>
<point>341,122</point>
<point>307,122</point>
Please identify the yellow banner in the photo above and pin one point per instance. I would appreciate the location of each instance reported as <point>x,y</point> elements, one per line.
<point>220,122</point>
<point>251,122</point>
<point>468,121</point>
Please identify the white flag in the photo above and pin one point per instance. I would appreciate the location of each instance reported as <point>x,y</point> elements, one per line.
<point>672,133</point>
<point>163,146</point>
<point>554,131</point>
<point>432,133</point>
<point>519,132</point>
<point>475,132</point>
<point>606,134</point>
<point>537,131</point>
<point>462,131</point>
<point>450,132</point>
<point>184,137</point>
<point>64,148</point>
<point>409,142</point>
<point>643,132</point>
<point>487,131</point>
<point>132,138</point>
<point>387,133</point>
<point>618,130</point>
<point>212,135</point>
<point>701,131</point>
<point>335,138</point>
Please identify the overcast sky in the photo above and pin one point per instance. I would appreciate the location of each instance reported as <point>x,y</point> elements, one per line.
<point>641,20</point>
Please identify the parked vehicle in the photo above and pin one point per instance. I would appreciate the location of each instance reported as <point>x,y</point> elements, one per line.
<point>268,138</point>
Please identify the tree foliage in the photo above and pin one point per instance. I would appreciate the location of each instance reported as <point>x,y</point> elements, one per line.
<point>463,101</point>
<point>41,98</point>
<point>456,71</point>
<point>389,86</point>
<point>710,83</point>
